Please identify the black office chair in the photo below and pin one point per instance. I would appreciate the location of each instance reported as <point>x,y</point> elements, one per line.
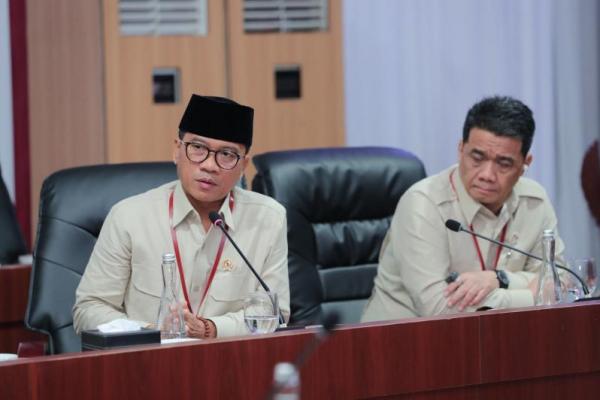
<point>339,205</point>
<point>73,205</point>
<point>12,244</point>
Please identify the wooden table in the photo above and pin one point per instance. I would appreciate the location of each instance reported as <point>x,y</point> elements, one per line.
<point>14,289</point>
<point>534,353</point>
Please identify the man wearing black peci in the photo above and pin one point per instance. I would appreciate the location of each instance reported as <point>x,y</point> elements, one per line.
<point>123,279</point>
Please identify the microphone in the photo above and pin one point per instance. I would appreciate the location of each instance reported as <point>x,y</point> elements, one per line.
<point>456,226</point>
<point>217,220</point>
<point>330,320</point>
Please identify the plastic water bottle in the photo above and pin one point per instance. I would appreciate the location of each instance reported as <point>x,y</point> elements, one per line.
<point>549,291</point>
<point>170,314</point>
<point>286,382</point>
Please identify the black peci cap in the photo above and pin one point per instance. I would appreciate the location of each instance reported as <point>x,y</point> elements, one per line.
<point>218,118</point>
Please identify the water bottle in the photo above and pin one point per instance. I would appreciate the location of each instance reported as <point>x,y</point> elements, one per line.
<point>170,314</point>
<point>549,291</point>
<point>286,382</point>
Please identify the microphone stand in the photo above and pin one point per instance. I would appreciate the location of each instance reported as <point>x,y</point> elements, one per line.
<point>330,320</point>
<point>583,285</point>
<point>218,221</point>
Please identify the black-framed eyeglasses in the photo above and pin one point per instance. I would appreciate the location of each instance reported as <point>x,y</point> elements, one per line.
<point>198,153</point>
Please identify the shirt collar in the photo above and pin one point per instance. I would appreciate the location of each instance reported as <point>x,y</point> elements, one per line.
<point>225,211</point>
<point>182,207</point>
<point>512,202</point>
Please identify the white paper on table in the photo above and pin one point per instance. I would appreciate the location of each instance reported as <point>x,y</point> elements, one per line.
<point>178,340</point>
<point>119,325</point>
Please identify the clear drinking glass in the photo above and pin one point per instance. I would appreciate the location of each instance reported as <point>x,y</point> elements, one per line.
<point>585,268</point>
<point>571,288</point>
<point>260,312</point>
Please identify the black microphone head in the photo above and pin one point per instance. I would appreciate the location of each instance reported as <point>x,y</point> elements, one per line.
<point>214,217</point>
<point>453,225</point>
<point>330,320</point>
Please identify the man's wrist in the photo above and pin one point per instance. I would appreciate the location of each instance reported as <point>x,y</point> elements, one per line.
<point>210,329</point>
<point>490,276</point>
<point>502,279</point>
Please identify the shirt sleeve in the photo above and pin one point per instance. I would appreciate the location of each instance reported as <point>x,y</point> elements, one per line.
<point>275,274</point>
<point>99,297</point>
<point>420,253</point>
<point>421,258</point>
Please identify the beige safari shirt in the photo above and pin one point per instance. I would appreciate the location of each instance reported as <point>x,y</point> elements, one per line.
<point>123,278</point>
<point>419,252</point>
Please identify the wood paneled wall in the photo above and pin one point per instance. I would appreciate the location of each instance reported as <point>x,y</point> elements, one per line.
<point>137,129</point>
<point>90,88</point>
<point>66,95</point>
<point>314,120</point>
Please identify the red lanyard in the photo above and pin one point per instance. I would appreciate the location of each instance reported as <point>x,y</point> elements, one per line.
<point>502,235</point>
<point>180,264</point>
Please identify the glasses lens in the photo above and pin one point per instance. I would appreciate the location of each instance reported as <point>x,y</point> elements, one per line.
<point>197,152</point>
<point>226,159</point>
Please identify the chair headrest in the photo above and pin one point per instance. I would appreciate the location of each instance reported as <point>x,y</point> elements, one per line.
<point>334,184</point>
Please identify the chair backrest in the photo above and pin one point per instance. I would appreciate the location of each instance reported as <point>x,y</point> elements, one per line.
<point>73,205</point>
<point>12,244</point>
<point>339,205</point>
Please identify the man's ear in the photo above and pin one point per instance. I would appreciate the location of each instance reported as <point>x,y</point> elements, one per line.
<point>176,145</point>
<point>245,160</point>
<point>527,163</point>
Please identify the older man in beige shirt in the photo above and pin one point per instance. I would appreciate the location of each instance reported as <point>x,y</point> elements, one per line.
<point>486,192</point>
<point>123,278</point>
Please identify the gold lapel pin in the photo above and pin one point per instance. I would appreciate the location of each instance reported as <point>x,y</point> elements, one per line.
<point>227,265</point>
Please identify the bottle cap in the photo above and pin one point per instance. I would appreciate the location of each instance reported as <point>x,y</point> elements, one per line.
<point>286,374</point>
<point>548,233</point>
<point>168,257</point>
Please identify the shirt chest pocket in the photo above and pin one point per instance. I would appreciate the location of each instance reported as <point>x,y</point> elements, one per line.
<point>229,286</point>
<point>513,261</point>
<point>143,294</point>
<point>146,281</point>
